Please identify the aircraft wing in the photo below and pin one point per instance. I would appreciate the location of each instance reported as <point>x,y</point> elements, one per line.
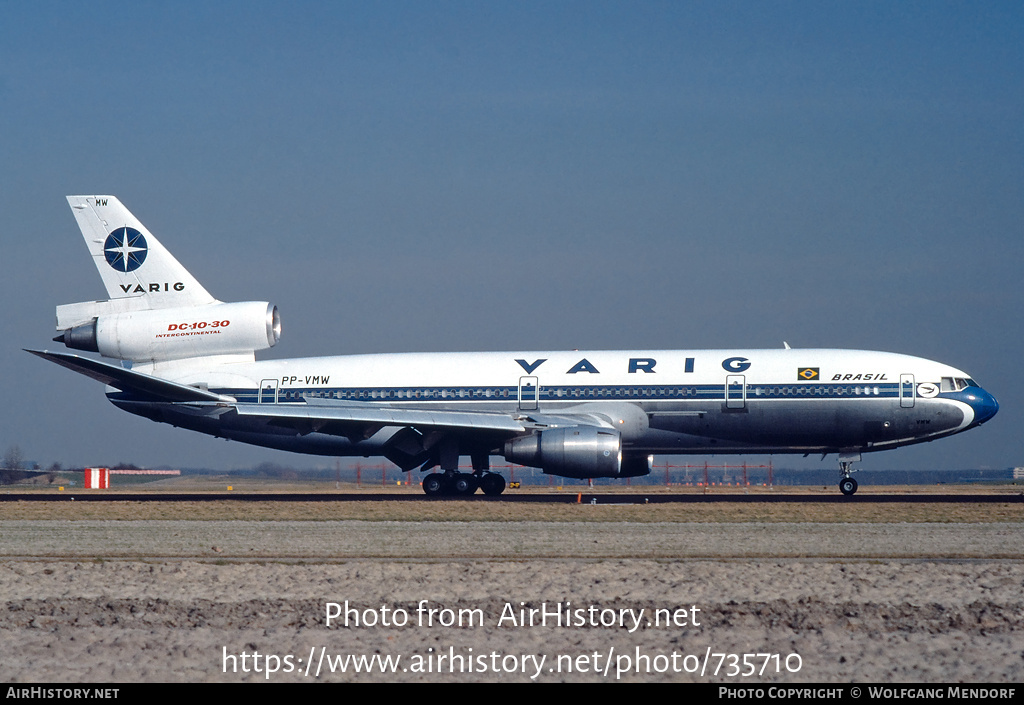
<point>326,416</point>
<point>127,381</point>
<point>341,418</point>
<point>413,436</point>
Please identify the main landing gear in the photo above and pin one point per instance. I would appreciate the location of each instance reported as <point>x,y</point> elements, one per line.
<point>847,485</point>
<point>463,484</point>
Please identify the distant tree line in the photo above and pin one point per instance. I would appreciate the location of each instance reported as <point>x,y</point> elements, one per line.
<point>14,468</point>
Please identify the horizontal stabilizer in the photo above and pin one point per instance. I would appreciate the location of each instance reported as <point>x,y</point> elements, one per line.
<point>154,388</point>
<point>82,313</point>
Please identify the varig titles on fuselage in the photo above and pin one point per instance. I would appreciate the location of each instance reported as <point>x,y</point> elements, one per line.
<point>635,364</point>
<point>646,365</point>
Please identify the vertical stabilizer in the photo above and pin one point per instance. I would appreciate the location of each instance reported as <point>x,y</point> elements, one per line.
<point>131,262</point>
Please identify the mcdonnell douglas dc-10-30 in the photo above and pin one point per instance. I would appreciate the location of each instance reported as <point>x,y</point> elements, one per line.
<point>189,360</point>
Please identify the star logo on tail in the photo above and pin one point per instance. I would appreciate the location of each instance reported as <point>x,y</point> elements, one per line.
<point>125,249</point>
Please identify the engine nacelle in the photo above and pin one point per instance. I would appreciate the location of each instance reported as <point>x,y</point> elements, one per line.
<point>177,333</point>
<point>636,465</point>
<point>573,451</point>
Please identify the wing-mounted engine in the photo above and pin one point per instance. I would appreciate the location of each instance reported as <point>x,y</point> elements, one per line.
<point>168,333</point>
<point>576,451</point>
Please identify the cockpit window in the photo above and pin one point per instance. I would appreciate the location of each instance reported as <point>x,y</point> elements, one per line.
<point>956,384</point>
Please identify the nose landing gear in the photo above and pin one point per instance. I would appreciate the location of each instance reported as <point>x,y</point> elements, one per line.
<point>847,485</point>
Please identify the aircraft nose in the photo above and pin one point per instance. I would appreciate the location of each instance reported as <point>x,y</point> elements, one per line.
<point>984,404</point>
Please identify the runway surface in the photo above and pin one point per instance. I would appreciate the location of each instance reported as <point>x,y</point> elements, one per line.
<point>557,498</point>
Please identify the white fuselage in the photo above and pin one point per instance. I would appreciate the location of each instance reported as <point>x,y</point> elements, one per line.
<point>698,401</point>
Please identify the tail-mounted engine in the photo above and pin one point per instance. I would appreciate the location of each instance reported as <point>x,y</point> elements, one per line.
<point>576,451</point>
<point>170,333</point>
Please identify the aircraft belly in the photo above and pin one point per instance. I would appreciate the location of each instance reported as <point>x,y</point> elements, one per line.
<point>806,424</point>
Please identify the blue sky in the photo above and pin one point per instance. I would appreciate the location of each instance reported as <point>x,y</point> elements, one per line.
<point>480,176</point>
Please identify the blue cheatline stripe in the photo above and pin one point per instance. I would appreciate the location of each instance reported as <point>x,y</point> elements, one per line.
<point>574,393</point>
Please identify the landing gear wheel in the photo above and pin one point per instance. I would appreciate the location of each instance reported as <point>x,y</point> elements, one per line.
<point>433,484</point>
<point>463,484</point>
<point>492,484</point>
<point>848,486</point>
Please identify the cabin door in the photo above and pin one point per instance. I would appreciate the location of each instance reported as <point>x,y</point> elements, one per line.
<point>907,391</point>
<point>735,392</point>
<point>268,391</point>
<point>529,393</point>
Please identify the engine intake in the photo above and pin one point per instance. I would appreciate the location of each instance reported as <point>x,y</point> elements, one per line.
<point>573,451</point>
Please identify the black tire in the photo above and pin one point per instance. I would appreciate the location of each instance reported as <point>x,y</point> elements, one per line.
<point>848,486</point>
<point>492,484</point>
<point>463,484</point>
<point>433,484</point>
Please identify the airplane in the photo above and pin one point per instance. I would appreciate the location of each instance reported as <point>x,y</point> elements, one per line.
<point>189,360</point>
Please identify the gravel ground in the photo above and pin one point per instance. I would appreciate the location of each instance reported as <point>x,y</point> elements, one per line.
<point>180,601</point>
<point>336,540</point>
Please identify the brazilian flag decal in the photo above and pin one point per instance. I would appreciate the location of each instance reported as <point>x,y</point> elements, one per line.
<point>807,374</point>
